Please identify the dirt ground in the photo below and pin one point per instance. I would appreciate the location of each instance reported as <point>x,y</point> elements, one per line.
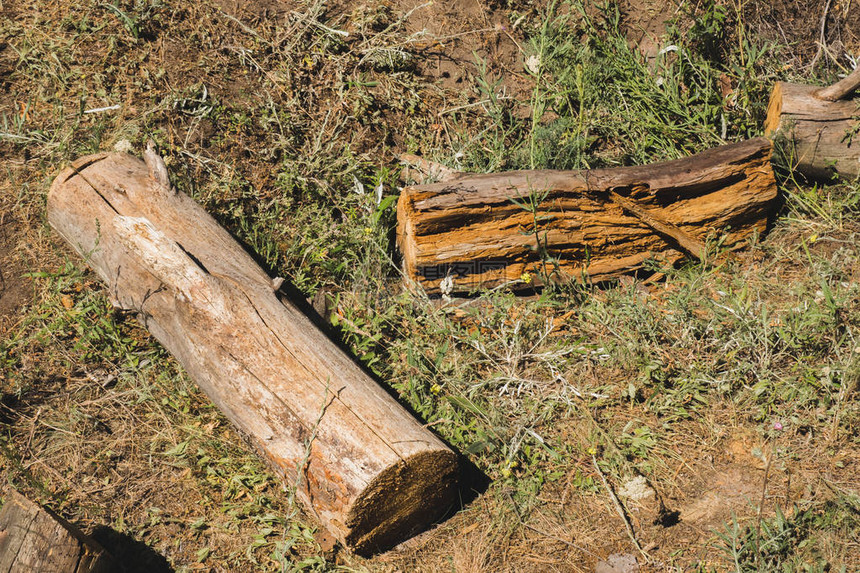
<point>717,469</point>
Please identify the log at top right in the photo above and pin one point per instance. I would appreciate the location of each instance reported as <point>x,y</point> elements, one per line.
<point>818,136</point>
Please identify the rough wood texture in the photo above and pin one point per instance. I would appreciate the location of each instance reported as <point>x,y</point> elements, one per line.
<point>841,89</point>
<point>819,138</point>
<point>32,539</point>
<point>600,223</point>
<point>365,467</point>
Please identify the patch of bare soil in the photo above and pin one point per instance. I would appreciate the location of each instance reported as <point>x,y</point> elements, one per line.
<point>821,34</point>
<point>454,36</point>
<point>16,289</point>
<point>444,41</point>
<point>817,33</point>
<point>442,46</point>
<point>692,501</point>
<point>645,23</point>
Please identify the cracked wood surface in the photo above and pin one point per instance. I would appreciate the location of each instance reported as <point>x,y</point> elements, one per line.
<point>597,224</point>
<point>819,137</point>
<point>363,465</point>
<point>33,539</point>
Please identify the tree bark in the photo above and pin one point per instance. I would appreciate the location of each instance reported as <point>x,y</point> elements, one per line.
<point>360,462</point>
<point>486,230</point>
<point>819,136</point>
<point>33,539</point>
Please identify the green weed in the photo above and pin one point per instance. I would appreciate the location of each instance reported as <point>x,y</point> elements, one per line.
<point>795,543</point>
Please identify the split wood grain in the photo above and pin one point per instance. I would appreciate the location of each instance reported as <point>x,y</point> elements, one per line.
<point>362,464</point>
<point>33,539</point>
<point>594,225</point>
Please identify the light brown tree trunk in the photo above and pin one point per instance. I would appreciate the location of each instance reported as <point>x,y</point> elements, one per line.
<point>816,129</point>
<point>598,224</point>
<point>363,465</point>
<point>32,539</point>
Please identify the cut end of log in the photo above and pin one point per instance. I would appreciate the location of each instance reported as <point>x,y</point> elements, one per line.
<point>33,538</point>
<point>405,232</point>
<point>774,111</point>
<point>402,500</point>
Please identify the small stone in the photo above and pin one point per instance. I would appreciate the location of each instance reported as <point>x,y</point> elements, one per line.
<point>636,489</point>
<point>123,146</point>
<point>533,64</point>
<point>618,563</point>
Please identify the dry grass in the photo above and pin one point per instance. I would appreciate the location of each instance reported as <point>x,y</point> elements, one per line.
<point>730,386</point>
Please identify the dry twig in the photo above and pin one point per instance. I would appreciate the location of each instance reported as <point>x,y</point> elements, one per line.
<point>620,508</point>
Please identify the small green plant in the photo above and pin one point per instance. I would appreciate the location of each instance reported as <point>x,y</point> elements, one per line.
<point>130,23</point>
<point>710,23</point>
<point>136,19</point>
<point>639,441</point>
<point>532,204</point>
<point>784,543</point>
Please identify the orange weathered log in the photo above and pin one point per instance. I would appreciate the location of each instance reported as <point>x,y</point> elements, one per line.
<point>363,465</point>
<point>817,129</point>
<point>481,230</point>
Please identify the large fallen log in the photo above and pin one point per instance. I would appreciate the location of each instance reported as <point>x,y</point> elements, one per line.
<point>363,465</point>
<point>817,129</point>
<point>481,231</point>
<point>34,539</point>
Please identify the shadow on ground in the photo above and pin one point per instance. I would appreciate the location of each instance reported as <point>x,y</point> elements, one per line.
<point>131,555</point>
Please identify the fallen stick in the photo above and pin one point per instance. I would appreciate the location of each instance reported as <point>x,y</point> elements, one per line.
<point>34,539</point>
<point>427,168</point>
<point>481,231</point>
<point>817,129</point>
<point>360,462</point>
<point>841,89</point>
<point>663,226</point>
